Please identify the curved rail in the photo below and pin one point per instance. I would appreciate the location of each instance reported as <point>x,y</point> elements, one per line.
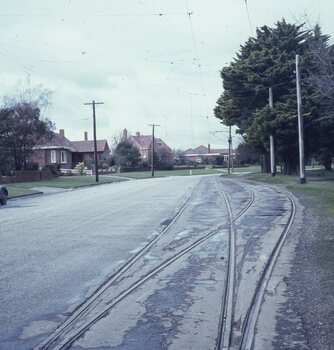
<point>84,306</point>
<point>225,320</point>
<point>247,340</point>
<point>49,343</point>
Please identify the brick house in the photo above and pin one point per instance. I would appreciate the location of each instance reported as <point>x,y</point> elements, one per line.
<point>60,150</point>
<point>144,145</point>
<point>201,152</point>
<point>85,149</point>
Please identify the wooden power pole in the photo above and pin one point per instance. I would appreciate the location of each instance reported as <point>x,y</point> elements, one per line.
<point>95,143</point>
<point>300,124</point>
<point>152,148</point>
<point>229,150</point>
<point>272,141</point>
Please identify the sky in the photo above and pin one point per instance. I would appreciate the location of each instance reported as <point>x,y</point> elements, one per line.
<point>148,61</point>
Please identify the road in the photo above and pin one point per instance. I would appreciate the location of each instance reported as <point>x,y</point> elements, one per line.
<point>136,265</point>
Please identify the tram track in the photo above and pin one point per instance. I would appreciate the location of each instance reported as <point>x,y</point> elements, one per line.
<point>64,336</point>
<point>254,309</point>
<point>225,331</point>
<point>98,293</point>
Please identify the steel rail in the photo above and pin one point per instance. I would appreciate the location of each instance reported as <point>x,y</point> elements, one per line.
<point>226,316</point>
<point>49,343</point>
<point>225,327</point>
<point>84,306</point>
<point>248,332</point>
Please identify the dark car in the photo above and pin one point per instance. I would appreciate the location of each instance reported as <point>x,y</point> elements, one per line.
<point>3,195</point>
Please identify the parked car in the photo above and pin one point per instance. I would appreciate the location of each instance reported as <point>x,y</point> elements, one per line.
<point>3,195</point>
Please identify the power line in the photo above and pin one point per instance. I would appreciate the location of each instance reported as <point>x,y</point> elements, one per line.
<point>249,19</point>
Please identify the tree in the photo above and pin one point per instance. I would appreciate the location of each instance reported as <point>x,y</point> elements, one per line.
<point>22,124</point>
<point>321,80</point>
<point>246,154</point>
<point>268,60</point>
<point>21,128</point>
<point>127,155</point>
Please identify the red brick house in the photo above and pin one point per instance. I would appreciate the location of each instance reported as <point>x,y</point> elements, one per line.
<point>60,150</point>
<point>144,145</point>
<point>201,152</point>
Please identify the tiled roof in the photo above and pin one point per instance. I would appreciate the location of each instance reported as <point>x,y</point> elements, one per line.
<point>59,141</point>
<point>202,150</point>
<point>145,141</point>
<point>88,146</point>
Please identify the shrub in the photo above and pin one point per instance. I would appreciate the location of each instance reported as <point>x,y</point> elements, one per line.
<point>80,167</point>
<point>89,163</point>
<point>31,166</point>
<point>53,169</point>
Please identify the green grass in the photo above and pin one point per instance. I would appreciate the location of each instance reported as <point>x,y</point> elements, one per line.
<point>25,188</point>
<point>164,173</point>
<point>318,195</point>
<point>181,172</point>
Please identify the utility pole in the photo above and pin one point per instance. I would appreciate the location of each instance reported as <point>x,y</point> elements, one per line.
<point>229,150</point>
<point>272,141</point>
<point>152,154</point>
<point>300,124</point>
<point>95,143</point>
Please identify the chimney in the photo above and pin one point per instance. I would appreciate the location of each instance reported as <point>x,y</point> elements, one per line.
<point>125,134</point>
<point>62,132</point>
<point>209,149</point>
<point>86,136</point>
<point>137,133</point>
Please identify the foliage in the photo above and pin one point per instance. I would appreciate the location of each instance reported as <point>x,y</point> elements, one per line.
<point>53,169</point>
<point>80,167</point>
<point>180,158</point>
<point>102,164</point>
<point>89,163</point>
<point>218,160</point>
<point>21,128</point>
<point>127,155</point>
<point>321,80</point>
<point>246,154</point>
<point>268,60</point>
<point>31,166</point>
<point>22,125</point>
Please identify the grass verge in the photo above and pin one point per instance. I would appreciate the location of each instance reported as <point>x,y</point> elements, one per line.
<point>317,195</point>
<point>181,172</point>
<point>66,182</point>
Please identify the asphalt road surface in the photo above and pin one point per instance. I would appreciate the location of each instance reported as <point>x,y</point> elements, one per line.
<point>135,265</point>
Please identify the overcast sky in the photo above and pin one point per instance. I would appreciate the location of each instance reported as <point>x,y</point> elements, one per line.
<point>149,61</point>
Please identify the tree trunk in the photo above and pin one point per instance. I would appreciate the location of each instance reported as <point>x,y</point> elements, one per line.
<point>265,163</point>
<point>328,164</point>
<point>290,168</point>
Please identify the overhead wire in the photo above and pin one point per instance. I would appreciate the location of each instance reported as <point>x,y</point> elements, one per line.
<point>249,18</point>
<point>199,65</point>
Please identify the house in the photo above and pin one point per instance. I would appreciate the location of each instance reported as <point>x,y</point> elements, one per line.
<point>201,152</point>
<point>144,145</point>
<point>85,149</point>
<point>60,150</point>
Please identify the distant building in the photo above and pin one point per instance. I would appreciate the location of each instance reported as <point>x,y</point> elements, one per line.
<point>201,152</point>
<point>60,150</point>
<point>144,145</point>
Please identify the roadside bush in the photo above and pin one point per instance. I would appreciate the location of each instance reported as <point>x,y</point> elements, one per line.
<point>89,163</point>
<point>80,167</point>
<point>102,164</point>
<point>31,166</point>
<point>53,169</point>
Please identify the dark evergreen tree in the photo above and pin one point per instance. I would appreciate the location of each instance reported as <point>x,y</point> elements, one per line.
<point>268,60</point>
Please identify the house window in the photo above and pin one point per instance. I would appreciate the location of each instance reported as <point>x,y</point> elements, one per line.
<point>53,156</point>
<point>63,157</point>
